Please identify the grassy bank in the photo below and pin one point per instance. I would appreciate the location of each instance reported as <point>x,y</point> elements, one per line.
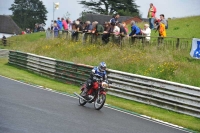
<point>164,62</point>
<point>168,116</point>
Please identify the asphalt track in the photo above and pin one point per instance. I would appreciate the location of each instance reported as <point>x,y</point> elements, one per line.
<point>28,109</point>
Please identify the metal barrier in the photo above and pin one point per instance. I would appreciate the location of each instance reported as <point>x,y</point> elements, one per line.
<point>164,94</point>
<point>4,52</point>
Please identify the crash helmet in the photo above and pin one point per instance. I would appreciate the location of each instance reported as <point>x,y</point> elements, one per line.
<point>102,66</point>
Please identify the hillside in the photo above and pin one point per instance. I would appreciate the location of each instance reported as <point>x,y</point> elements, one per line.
<point>164,63</point>
<point>188,27</point>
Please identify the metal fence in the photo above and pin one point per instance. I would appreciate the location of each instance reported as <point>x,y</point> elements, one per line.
<point>164,94</point>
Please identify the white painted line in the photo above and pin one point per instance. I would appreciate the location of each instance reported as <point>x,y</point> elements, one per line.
<point>107,106</point>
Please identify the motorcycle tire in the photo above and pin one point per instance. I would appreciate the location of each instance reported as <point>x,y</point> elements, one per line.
<point>81,101</point>
<point>98,103</point>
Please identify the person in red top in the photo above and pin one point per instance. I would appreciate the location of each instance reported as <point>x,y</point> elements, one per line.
<point>151,15</point>
<point>64,23</point>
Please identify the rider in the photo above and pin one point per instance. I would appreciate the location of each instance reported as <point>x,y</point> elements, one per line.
<point>100,70</point>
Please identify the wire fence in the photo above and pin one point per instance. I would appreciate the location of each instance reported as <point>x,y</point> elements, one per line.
<point>175,43</point>
<point>123,40</point>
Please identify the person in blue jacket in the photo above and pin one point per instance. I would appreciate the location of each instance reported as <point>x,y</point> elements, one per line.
<point>135,30</point>
<point>59,23</point>
<point>100,70</point>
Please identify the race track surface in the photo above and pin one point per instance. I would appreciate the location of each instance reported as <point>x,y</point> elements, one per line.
<point>27,109</point>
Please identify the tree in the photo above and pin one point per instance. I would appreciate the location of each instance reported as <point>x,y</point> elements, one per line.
<point>110,7</point>
<point>26,13</point>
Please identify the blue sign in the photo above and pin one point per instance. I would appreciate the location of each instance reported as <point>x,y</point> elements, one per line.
<point>195,51</point>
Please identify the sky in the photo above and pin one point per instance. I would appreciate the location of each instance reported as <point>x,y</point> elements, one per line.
<point>170,8</point>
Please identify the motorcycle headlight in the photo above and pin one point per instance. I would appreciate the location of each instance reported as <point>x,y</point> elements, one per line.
<point>104,85</point>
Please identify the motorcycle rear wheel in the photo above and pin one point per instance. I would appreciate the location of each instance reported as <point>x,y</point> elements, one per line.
<point>81,101</point>
<point>98,103</point>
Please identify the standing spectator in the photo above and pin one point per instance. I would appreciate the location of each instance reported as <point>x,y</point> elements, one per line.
<point>163,20</point>
<point>55,29</point>
<point>106,34</point>
<point>116,29</point>
<point>115,19</point>
<point>146,32</point>
<point>36,28</point>
<point>97,29</point>
<point>135,30</point>
<point>59,24</point>
<point>156,22</point>
<point>48,33</point>
<point>123,31</point>
<point>64,23</point>
<point>161,28</point>
<point>87,29</point>
<point>125,27</point>
<point>151,15</point>
<point>69,22</point>
<point>76,30</point>
<point>4,41</point>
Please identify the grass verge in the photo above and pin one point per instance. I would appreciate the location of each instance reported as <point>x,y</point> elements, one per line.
<point>154,112</point>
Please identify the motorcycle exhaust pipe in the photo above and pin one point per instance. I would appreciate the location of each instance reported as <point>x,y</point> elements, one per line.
<point>80,96</point>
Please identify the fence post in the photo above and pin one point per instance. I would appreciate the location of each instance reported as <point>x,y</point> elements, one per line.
<point>177,43</point>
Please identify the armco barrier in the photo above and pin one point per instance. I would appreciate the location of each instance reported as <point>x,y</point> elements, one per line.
<point>164,94</point>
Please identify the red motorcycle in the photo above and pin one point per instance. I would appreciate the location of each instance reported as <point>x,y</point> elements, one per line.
<point>96,94</point>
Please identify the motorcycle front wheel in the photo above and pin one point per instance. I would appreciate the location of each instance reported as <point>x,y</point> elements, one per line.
<point>99,102</point>
<point>81,101</point>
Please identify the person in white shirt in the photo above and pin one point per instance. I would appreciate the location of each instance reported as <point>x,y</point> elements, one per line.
<point>116,29</point>
<point>147,32</point>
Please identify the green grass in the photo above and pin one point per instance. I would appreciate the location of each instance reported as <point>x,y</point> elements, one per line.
<point>154,112</point>
<point>187,27</point>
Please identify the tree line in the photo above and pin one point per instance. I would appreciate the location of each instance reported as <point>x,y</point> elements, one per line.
<point>26,13</point>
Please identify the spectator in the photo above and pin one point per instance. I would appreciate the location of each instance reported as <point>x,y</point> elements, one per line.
<point>156,22</point>
<point>4,41</point>
<point>115,19</point>
<point>146,32</point>
<point>69,22</point>
<point>123,31</point>
<point>64,23</point>
<point>76,30</point>
<point>97,28</point>
<point>151,15</point>
<point>55,29</point>
<point>87,29</point>
<point>59,24</point>
<point>106,33</point>
<point>161,29</point>
<point>163,20</point>
<point>48,33</point>
<point>125,27</point>
<point>116,29</point>
<point>135,30</point>
<point>36,28</point>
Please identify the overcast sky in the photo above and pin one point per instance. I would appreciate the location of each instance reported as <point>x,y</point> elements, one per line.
<point>171,8</point>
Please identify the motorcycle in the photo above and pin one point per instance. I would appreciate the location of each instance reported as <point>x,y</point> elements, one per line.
<point>96,94</point>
